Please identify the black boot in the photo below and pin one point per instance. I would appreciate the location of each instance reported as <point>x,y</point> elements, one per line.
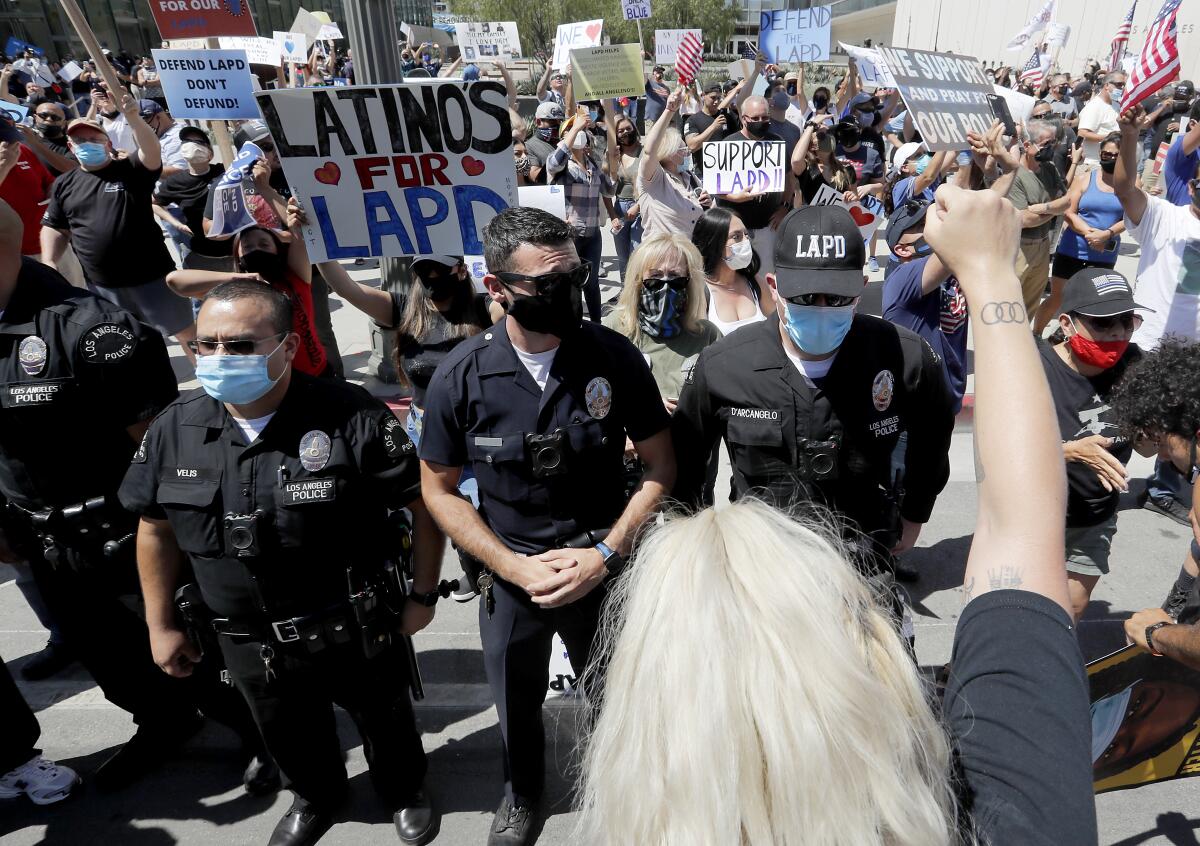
<point>512,825</point>
<point>150,746</point>
<point>262,775</point>
<point>416,823</point>
<point>302,825</point>
<point>50,661</point>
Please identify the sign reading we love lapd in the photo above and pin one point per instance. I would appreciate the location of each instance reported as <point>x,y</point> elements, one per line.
<point>395,170</point>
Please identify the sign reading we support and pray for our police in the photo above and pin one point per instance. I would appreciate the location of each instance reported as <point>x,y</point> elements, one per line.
<point>795,35</point>
<point>947,95</point>
<point>206,84</point>
<point>395,170</point>
<point>736,166</point>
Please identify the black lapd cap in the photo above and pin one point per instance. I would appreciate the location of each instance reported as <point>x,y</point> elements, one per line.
<point>819,250</point>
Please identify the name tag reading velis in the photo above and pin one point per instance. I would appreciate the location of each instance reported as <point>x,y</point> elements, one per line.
<point>309,490</point>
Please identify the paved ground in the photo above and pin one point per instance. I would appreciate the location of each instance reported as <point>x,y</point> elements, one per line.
<point>198,800</point>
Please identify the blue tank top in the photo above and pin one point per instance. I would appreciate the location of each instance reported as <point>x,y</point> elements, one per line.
<point>1101,210</point>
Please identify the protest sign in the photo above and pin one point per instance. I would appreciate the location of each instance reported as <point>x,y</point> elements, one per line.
<point>635,10</point>
<point>795,35</point>
<point>1145,720</point>
<point>230,213</point>
<point>202,18</point>
<point>330,32</point>
<point>740,165</point>
<point>15,47</point>
<point>1057,35</point>
<point>16,111</point>
<point>206,84</point>
<point>477,268</point>
<point>395,170</point>
<point>487,41</point>
<point>293,47</point>
<point>868,212</point>
<point>561,681</point>
<point>872,71</point>
<point>572,36</point>
<point>548,198</point>
<point>740,69</point>
<point>188,44</point>
<point>69,72</point>
<point>418,35</point>
<point>598,73</point>
<point>666,45</point>
<point>946,94</point>
<point>1020,106</point>
<point>259,51</point>
<point>307,24</point>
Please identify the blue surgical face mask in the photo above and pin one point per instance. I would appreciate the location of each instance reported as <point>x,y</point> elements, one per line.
<point>818,330</point>
<point>91,153</point>
<point>921,164</point>
<point>236,379</point>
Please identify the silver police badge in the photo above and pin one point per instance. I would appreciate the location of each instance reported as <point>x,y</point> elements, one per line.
<point>598,395</point>
<point>882,390</point>
<point>32,354</point>
<point>314,450</point>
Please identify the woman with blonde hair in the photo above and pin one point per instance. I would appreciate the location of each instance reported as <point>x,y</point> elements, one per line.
<point>757,692</point>
<point>670,200</point>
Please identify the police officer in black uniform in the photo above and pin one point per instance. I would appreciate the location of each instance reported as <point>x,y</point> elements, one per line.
<point>80,380</point>
<point>276,487</point>
<point>812,401</point>
<point>540,406</point>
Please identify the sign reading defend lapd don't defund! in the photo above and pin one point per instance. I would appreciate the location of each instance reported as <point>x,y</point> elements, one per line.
<point>737,166</point>
<point>395,170</point>
<point>207,84</point>
<point>946,94</point>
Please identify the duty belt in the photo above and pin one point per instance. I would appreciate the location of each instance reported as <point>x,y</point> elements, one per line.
<point>94,520</point>
<point>328,627</point>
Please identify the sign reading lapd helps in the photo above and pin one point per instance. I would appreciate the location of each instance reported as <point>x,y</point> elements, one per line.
<point>395,170</point>
<point>202,18</point>
<point>666,44</point>
<point>737,166</point>
<point>206,84</point>
<point>482,42</point>
<point>598,73</point>
<point>946,94</point>
<point>572,36</point>
<point>795,35</point>
<point>635,10</point>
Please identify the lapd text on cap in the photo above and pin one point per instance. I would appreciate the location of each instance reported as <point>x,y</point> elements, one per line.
<point>818,246</point>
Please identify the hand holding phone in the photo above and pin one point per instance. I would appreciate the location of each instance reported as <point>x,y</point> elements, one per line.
<point>1000,111</point>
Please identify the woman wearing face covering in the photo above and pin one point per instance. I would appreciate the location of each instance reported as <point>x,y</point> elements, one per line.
<point>670,200</point>
<point>630,233</point>
<point>731,266</point>
<point>189,190</point>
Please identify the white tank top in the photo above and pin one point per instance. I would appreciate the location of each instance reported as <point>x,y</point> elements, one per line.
<point>727,326</point>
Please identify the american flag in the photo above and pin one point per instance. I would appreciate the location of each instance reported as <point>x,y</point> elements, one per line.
<point>749,52</point>
<point>1035,69</point>
<point>1121,39</point>
<point>1159,62</point>
<point>689,58</point>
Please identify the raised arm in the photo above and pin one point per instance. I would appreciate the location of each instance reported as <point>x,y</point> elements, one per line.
<point>149,151</point>
<point>800,98</point>
<point>298,260</point>
<point>760,61</point>
<point>452,68</point>
<point>648,165</point>
<point>511,86</point>
<point>372,302</point>
<point>1133,198</point>
<point>543,83</point>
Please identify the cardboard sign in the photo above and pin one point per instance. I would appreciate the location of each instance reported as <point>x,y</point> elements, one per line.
<point>740,69</point>
<point>69,72</point>
<point>481,42</point>
<point>259,51</point>
<point>795,35</point>
<point>945,94</point>
<point>187,44</point>
<point>202,18</point>
<point>666,45</point>
<point>293,47</point>
<point>548,198</point>
<point>15,48</point>
<point>635,10</point>
<point>206,84</point>
<point>598,73</point>
<point>306,24</point>
<point>561,680</point>
<point>330,32</point>
<point>868,212</point>
<point>395,170</point>
<point>572,36</point>
<point>872,71</point>
<point>741,165</point>
<point>418,35</point>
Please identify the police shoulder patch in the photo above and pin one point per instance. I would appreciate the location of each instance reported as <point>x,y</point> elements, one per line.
<point>139,457</point>
<point>395,442</point>
<point>107,343</point>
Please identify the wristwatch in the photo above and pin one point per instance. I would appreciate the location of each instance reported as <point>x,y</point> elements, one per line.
<point>427,599</point>
<point>1150,630</point>
<point>613,562</point>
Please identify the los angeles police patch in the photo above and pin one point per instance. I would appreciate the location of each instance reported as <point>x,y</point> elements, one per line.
<point>395,441</point>
<point>315,447</point>
<point>139,457</point>
<point>32,354</point>
<point>107,343</point>
<point>882,390</point>
<point>598,395</point>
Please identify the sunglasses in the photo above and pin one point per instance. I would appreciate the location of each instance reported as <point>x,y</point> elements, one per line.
<point>547,282</point>
<point>1127,321</point>
<point>675,283</point>
<point>831,300</point>
<point>1118,85</point>
<point>242,346</point>
<point>51,117</point>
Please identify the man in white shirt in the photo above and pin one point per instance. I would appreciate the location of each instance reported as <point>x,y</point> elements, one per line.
<point>1099,118</point>
<point>36,68</point>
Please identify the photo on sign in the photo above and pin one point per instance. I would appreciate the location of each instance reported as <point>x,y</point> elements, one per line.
<point>739,165</point>
<point>485,41</point>
<point>947,95</point>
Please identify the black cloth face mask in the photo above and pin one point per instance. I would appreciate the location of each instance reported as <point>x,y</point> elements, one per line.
<point>557,312</point>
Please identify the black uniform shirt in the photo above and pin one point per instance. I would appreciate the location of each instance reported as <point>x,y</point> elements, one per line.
<point>76,371</point>
<point>324,472</point>
<point>885,380</point>
<point>482,401</point>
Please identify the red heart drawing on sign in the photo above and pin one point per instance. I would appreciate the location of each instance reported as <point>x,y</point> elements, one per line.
<point>593,31</point>
<point>861,216</point>
<point>328,174</point>
<point>472,165</point>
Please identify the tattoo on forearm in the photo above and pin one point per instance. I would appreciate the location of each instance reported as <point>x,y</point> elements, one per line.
<point>1003,312</point>
<point>969,590</point>
<point>1005,577</point>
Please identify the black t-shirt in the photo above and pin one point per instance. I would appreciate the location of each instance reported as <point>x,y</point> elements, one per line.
<point>809,182</point>
<point>756,213</point>
<point>1081,404</point>
<point>58,146</point>
<point>1158,133</point>
<point>190,192</point>
<point>419,358</point>
<point>694,125</point>
<point>112,226</point>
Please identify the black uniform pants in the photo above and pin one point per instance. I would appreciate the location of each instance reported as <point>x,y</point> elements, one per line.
<point>294,712</point>
<point>517,637</point>
<point>19,729</point>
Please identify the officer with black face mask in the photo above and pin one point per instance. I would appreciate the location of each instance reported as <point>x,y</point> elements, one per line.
<point>539,406</point>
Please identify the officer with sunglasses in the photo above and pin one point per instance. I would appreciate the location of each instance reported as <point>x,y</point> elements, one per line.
<point>539,406</point>
<point>811,403</point>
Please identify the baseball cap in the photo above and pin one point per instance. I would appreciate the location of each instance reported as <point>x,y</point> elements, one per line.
<point>819,250</point>
<point>863,99</point>
<point>422,264</point>
<point>149,108</point>
<point>903,153</point>
<point>549,110</point>
<point>1098,292</point>
<point>904,217</point>
<point>251,130</point>
<point>791,75</point>
<point>1185,90</point>
<point>194,133</point>
<point>80,123</point>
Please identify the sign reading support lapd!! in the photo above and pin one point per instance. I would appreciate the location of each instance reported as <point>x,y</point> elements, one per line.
<point>206,84</point>
<point>795,35</point>
<point>947,95</point>
<point>599,73</point>
<point>395,170</point>
<point>202,18</point>
<point>736,166</point>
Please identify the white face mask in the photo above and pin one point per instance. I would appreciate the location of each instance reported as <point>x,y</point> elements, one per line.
<point>194,152</point>
<point>581,141</point>
<point>740,254</point>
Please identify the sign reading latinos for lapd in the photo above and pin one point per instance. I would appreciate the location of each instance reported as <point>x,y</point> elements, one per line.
<point>598,73</point>
<point>635,10</point>
<point>482,42</point>
<point>795,35</point>
<point>206,84</point>
<point>666,44</point>
<point>735,166</point>
<point>395,170</point>
<point>571,36</point>
<point>945,94</point>
<point>202,18</point>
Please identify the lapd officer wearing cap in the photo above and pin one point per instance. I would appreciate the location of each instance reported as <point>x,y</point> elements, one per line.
<point>81,379</point>
<point>540,406</point>
<point>811,403</point>
<point>276,487</point>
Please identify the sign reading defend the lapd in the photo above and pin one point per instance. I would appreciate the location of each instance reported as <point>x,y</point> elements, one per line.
<point>736,166</point>
<point>395,170</point>
<point>946,94</point>
<point>207,84</point>
<point>202,18</point>
<point>795,35</point>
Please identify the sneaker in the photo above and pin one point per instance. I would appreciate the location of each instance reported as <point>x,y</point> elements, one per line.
<point>512,825</point>
<point>1168,506</point>
<point>42,780</point>
<point>50,661</point>
<point>872,265</point>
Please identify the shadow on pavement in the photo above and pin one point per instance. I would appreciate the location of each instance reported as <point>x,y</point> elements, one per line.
<point>941,567</point>
<point>1174,826</point>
